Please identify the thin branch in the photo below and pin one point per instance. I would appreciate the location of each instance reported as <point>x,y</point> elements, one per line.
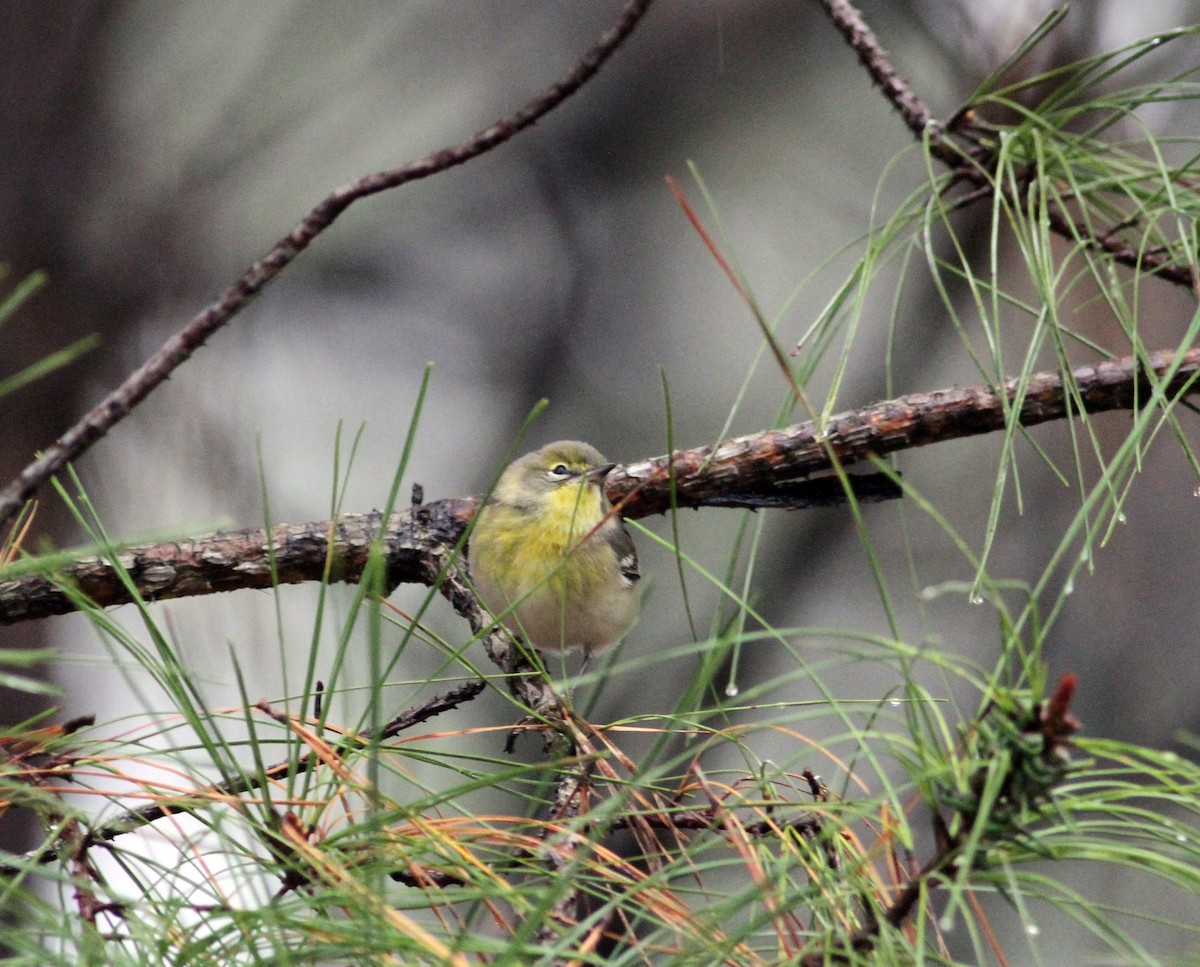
<point>435,706</point>
<point>917,115</point>
<point>971,163</point>
<point>761,466</point>
<point>1119,250</point>
<point>84,873</point>
<point>144,816</point>
<point>175,351</point>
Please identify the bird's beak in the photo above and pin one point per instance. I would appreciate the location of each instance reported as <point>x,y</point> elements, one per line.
<point>597,474</point>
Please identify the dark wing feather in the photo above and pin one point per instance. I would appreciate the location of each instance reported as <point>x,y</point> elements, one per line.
<point>627,559</point>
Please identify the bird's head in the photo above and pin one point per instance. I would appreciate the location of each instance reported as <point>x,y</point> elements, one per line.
<point>553,468</point>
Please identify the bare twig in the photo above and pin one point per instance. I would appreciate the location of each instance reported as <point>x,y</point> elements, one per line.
<point>435,706</point>
<point>176,350</point>
<point>917,115</point>
<point>759,467</point>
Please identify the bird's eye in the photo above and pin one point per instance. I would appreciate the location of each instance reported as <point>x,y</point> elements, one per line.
<point>558,470</point>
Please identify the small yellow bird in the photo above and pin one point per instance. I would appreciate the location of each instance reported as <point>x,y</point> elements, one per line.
<point>549,557</point>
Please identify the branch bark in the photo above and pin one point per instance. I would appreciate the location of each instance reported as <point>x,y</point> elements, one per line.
<point>765,469</point>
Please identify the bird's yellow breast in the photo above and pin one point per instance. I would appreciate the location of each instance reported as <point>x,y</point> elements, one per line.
<point>536,564</point>
<point>520,554</point>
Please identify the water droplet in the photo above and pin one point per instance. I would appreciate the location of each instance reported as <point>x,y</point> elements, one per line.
<point>1032,929</point>
<point>1069,587</point>
<point>1121,518</point>
<point>975,598</point>
<point>731,690</point>
<point>1196,492</point>
<point>894,703</point>
<point>1085,555</point>
<point>1180,838</point>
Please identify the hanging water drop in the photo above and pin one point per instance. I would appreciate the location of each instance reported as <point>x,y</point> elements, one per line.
<point>731,690</point>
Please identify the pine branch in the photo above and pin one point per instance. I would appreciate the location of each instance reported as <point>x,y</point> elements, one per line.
<point>768,469</point>
<point>956,145</point>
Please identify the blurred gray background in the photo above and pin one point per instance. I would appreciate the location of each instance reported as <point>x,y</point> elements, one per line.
<point>153,150</point>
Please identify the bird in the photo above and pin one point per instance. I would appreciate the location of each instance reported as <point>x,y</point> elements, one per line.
<point>549,557</point>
